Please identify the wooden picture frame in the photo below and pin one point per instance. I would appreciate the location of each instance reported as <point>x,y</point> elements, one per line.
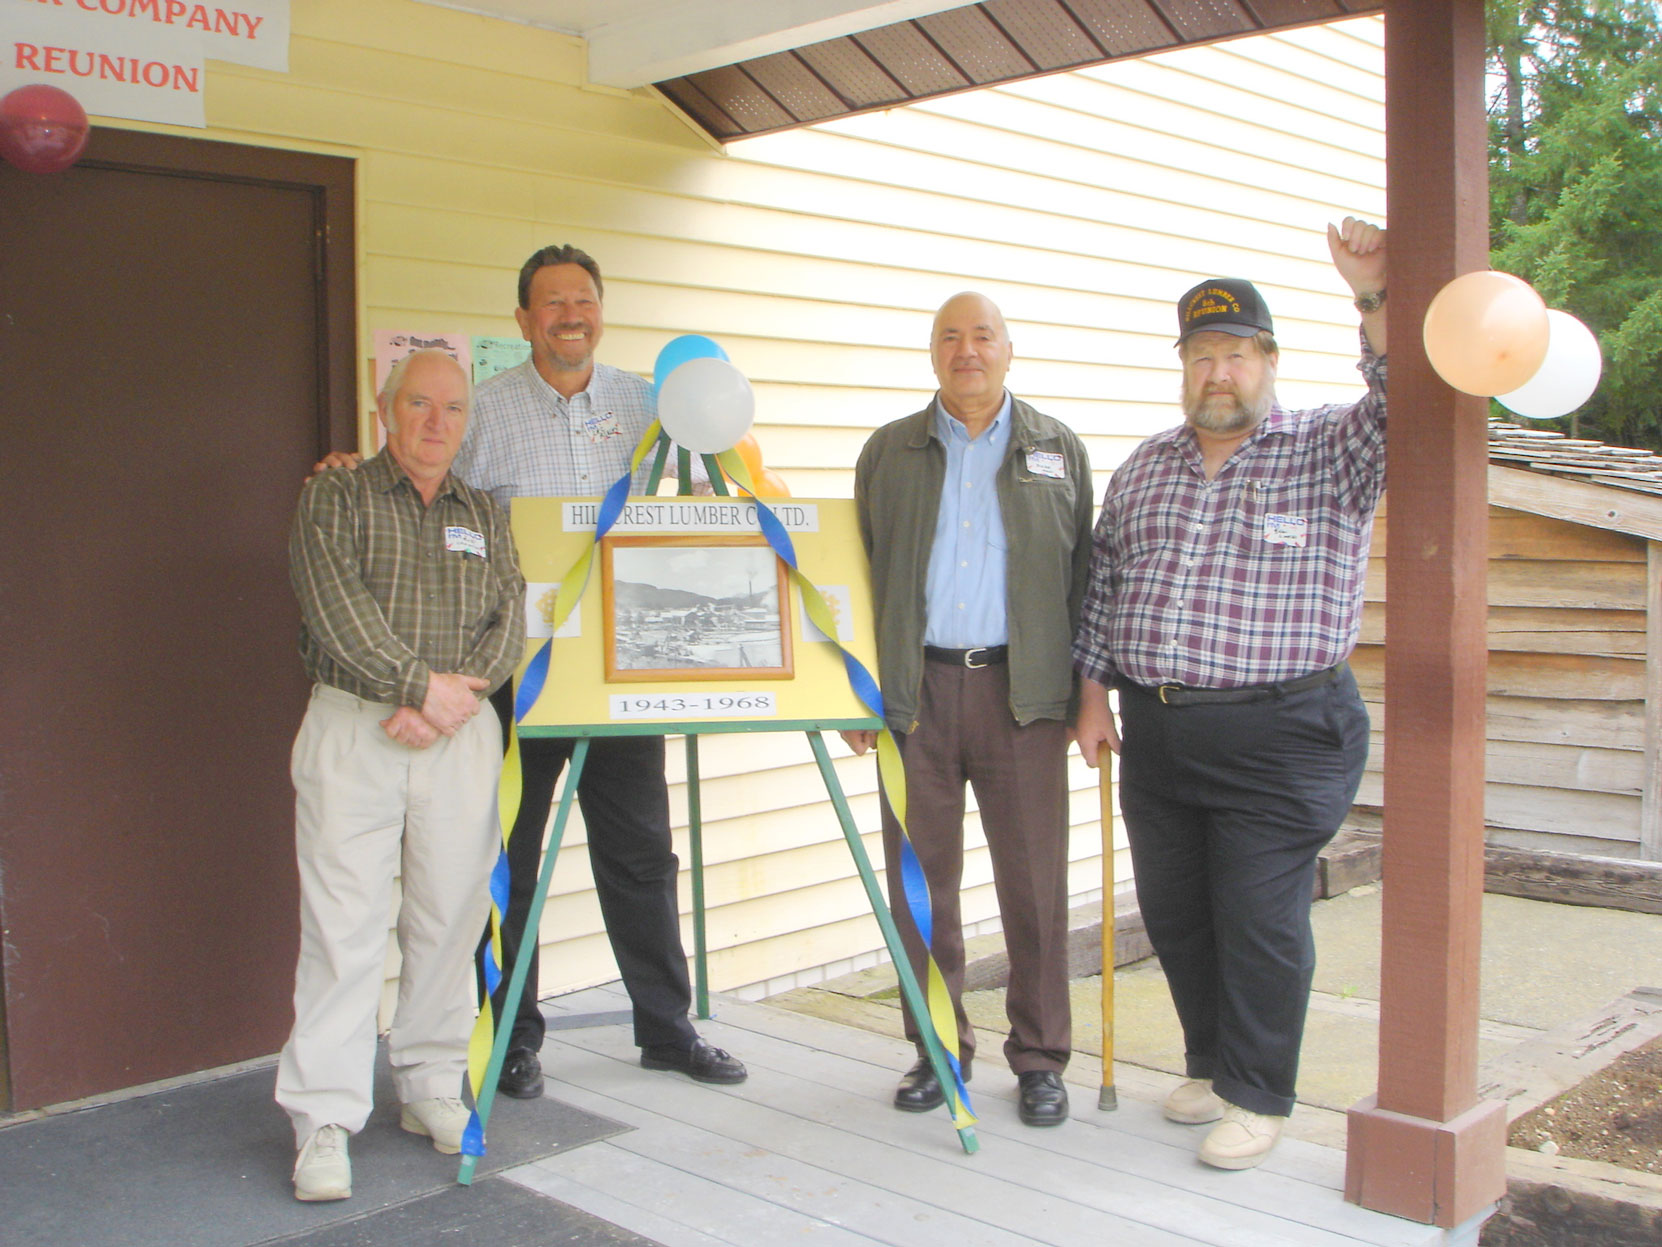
<point>704,607</point>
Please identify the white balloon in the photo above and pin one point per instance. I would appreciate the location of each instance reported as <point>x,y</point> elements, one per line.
<point>706,405</point>
<point>1567,376</point>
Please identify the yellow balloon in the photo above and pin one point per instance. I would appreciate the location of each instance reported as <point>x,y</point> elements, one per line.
<point>1486,332</point>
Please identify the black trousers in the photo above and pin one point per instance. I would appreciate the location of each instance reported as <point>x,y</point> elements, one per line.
<point>1226,808</point>
<point>625,805</point>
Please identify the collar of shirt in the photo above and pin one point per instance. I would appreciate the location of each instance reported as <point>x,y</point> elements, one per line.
<point>950,429</point>
<point>561,403</point>
<point>1186,442</point>
<point>964,594</point>
<point>384,474</point>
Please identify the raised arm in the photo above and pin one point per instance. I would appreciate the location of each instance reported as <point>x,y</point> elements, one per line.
<point>1358,250</point>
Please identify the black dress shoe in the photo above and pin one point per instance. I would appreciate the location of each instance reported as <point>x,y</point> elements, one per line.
<point>521,1075</point>
<point>920,1090</point>
<point>1044,1100</point>
<point>703,1062</point>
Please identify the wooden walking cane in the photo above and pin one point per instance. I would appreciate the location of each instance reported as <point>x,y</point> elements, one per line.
<point>1107,1099</point>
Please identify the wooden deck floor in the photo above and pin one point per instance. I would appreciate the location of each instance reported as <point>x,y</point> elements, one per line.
<point>810,1151</point>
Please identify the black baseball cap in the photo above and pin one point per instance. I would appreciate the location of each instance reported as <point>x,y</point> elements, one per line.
<point>1226,305</point>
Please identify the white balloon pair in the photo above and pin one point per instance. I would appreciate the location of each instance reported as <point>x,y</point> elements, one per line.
<point>1488,333</point>
<point>706,405</point>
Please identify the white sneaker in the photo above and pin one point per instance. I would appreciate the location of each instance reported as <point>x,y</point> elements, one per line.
<point>323,1170</point>
<point>1242,1139</point>
<point>1193,1103</point>
<point>442,1120</point>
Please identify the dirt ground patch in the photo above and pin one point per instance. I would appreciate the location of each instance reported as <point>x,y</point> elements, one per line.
<point>1614,1116</point>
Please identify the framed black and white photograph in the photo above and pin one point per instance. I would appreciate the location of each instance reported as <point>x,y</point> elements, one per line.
<point>694,608</point>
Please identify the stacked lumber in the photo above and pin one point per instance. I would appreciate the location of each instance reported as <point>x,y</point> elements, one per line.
<point>1541,450</point>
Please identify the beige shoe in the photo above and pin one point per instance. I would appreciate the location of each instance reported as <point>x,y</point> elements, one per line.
<point>323,1170</point>
<point>442,1120</point>
<point>1194,1103</point>
<point>1242,1139</point>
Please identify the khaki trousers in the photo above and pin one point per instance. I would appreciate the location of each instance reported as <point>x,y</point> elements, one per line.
<point>367,810</point>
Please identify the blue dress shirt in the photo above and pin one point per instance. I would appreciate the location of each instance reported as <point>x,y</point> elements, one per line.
<point>964,596</point>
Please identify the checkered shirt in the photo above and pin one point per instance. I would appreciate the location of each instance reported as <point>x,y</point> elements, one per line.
<point>1251,578</point>
<point>392,590</point>
<point>526,440</point>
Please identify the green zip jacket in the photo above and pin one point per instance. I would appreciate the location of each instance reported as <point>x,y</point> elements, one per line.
<point>1047,529</point>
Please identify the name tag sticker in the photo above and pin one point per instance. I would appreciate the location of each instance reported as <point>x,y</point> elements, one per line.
<point>464,539</point>
<point>600,427</point>
<point>1285,530</point>
<point>1047,463</point>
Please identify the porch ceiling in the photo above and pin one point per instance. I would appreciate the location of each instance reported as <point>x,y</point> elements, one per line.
<point>739,68</point>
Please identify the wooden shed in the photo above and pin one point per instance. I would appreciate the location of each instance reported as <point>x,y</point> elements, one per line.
<point>1575,648</point>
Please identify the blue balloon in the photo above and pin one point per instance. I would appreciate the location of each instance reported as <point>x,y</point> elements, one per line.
<point>678,351</point>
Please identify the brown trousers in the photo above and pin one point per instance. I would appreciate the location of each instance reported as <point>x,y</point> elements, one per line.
<point>966,734</point>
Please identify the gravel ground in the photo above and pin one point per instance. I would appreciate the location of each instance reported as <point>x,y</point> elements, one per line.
<point>1615,1116</point>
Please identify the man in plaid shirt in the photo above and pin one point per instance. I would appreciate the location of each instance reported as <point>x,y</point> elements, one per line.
<point>1225,595</point>
<point>412,609</point>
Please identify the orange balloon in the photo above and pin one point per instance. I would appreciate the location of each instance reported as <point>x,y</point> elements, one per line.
<point>750,451</point>
<point>1486,332</point>
<point>771,485</point>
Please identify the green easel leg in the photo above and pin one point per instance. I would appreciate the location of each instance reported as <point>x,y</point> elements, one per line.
<point>891,934</point>
<point>522,965</point>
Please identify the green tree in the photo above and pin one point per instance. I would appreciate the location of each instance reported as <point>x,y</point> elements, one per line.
<point>1575,183</point>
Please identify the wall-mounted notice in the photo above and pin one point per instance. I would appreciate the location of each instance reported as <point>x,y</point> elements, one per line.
<point>141,60</point>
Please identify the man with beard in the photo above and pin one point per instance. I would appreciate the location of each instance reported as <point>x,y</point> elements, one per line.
<point>1225,595</point>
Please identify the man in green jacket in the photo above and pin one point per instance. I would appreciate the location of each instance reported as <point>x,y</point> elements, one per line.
<point>976,515</point>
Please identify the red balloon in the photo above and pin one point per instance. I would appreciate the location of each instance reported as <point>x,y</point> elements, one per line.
<point>42,129</point>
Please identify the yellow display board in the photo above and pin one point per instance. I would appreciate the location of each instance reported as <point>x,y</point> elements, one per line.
<point>689,620</point>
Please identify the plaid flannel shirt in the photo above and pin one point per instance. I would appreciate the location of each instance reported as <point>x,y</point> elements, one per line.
<point>391,590</point>
<point>1251,578</point>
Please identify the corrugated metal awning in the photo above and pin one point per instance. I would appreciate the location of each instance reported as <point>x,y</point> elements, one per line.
<point>975,46</point>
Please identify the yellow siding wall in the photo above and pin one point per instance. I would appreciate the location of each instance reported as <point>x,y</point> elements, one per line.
<point>1083,203</point>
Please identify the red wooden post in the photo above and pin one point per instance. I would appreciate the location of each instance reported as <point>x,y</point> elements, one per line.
<point>1425,1147</point>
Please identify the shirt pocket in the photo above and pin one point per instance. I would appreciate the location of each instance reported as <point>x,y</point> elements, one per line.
<point>474,581</point>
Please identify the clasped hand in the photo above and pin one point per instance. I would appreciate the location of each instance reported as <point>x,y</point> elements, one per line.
<point>452,699</point>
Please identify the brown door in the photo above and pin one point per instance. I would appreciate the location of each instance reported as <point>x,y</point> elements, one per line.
<point>176,347</point>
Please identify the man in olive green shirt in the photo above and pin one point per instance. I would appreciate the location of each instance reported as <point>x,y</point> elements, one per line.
<point>411,604</point>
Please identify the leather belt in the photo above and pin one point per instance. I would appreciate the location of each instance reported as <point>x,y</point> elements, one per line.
<point>1182,695</point>
<point>980,656</point>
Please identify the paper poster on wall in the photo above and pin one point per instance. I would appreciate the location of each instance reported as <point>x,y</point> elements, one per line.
<point>392,345</point>
<point>494,355</point>
<point>139,60</point>
<point>690,617</point>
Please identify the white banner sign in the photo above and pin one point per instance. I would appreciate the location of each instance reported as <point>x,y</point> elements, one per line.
<point>141,60</point>
<point>706,514</point>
